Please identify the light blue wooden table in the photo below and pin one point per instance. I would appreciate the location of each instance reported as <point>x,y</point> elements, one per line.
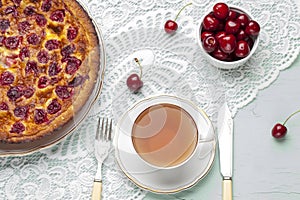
<point>264,168</point>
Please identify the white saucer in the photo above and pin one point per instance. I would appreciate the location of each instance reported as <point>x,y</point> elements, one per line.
<point>165,180</point>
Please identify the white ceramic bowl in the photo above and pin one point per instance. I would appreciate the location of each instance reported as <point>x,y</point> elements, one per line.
<point>226,64</point>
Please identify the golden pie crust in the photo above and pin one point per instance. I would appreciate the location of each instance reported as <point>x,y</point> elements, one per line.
<point>44,84</point>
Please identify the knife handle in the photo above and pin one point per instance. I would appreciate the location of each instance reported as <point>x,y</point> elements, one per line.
<point>227,189</point>
<point>97,189</point>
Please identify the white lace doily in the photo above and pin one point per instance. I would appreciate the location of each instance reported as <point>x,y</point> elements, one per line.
<point>172,64</point>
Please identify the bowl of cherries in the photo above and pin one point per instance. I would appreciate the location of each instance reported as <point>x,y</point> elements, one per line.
<point>228,36</point>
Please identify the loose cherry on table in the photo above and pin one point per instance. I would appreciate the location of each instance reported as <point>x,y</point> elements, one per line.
<point>171,26</point>
<point>134,82</point>
<point>279,130</point>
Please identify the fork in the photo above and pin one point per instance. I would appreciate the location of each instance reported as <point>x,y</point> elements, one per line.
<point>102,146</point>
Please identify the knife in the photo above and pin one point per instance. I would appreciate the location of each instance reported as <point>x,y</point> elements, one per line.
<point>225,139</point>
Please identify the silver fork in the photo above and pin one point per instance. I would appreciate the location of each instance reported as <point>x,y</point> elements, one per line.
<point>102,146</point>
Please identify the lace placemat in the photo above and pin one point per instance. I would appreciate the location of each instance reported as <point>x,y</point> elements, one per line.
<point>171,64</point>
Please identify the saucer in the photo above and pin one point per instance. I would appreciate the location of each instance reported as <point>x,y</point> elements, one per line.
<point>172,179</point>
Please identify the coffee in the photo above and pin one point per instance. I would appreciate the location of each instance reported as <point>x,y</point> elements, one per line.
<point>164,135</point>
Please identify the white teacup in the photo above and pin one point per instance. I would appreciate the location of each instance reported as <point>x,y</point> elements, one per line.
<point>164,135</point>
<point>165,131</point>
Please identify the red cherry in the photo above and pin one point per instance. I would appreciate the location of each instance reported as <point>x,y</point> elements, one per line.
<point>3,106</point>
<point>46,5</point>
<point>232,14</point>
<point>219,35</point>
<point>64,92</point>
<point>231,57</point>
<point>6,78</point>
<point>219,54</point>
<point>171,26</point>
<point>252,28</point>
<point>250,42</point>
<point>205,34</point>
<point>232,27</point>
<point>58,15</point>
<point>54,107</point>
<point>134,82</point>
<point>72,33</point>
<point>40,19</point>
<point>210,43</point>
<point>221,26</point>
<point>279,131</point>
<point>4,24</point>
<point>242,49</point>
<point>40,116</point>
<point>43,82</point>
<point>241,35</point>
<point>210,23</point>
<point>12,42</point>
<point>227,43</point>
<point>242,19</point>
<point>221,10</point>
<point>17,127</point>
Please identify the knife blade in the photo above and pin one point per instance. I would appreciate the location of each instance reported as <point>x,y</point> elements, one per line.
<point>225,139</point>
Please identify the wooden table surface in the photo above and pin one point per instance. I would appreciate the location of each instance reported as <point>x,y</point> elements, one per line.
<point>264,168</point>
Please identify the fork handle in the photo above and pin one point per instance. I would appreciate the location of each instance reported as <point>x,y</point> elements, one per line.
<point>97,190</point>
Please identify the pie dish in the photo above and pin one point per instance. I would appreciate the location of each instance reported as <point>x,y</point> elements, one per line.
<point>159,180</point>
<point>51,71</point>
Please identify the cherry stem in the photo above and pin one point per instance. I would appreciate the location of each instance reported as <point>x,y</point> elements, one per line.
<point>139,64</point>
<point>290,116</point>
<point>181,10</point>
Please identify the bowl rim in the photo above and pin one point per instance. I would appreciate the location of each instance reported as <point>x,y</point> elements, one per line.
<point>227,63</point>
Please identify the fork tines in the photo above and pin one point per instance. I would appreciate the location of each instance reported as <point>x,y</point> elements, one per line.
<point>104,129</point>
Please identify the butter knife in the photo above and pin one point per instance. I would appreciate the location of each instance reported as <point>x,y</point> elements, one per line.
<point>225,139</point>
